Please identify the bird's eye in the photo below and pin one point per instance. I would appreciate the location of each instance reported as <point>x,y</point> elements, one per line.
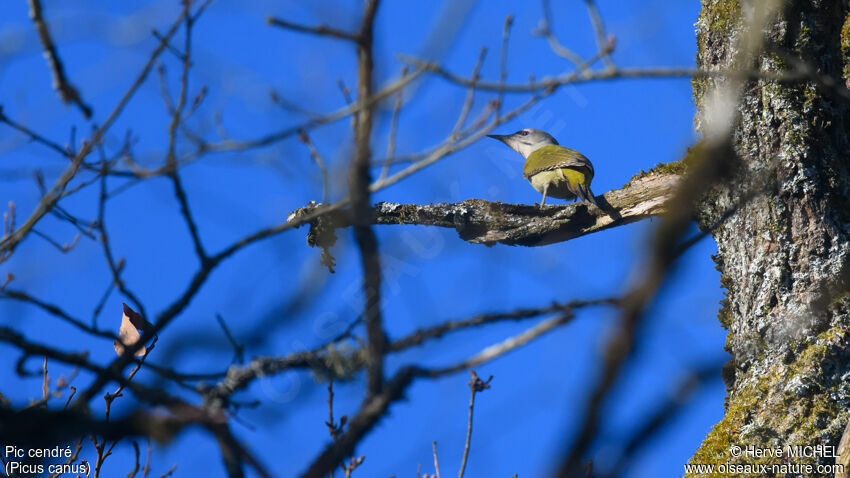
<point>523,133</point>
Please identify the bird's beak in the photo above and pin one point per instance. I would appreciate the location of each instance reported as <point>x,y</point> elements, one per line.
<point>500,137</point>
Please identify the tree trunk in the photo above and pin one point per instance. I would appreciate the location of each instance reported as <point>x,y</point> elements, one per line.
<point>783,255</point>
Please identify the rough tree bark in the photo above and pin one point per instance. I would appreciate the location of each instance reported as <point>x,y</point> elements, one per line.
<point>783,255</point>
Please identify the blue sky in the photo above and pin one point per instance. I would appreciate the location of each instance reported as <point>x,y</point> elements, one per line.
<point>524,422</point>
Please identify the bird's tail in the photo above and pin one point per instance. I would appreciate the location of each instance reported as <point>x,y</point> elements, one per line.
<point>585,194</point>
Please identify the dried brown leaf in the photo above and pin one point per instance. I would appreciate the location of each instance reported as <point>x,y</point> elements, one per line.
<point>136,318</point>
<point>129,334</point>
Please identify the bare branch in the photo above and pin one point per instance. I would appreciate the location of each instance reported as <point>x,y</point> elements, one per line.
<point>321,30</point>
<point>573,77</point>
<point>56,311</point>
<point>319,359</point>
<point>359,179</point>
<point>375,407</point>
<point>803,72</point>
<point>482,222</point>
<point>437,331</point>
<point>501,348</point>
<point>66,91</point>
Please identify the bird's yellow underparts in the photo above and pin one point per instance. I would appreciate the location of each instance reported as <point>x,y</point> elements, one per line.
<point>553,170</point>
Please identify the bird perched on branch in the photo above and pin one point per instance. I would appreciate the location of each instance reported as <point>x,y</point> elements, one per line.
<point>552,170</point>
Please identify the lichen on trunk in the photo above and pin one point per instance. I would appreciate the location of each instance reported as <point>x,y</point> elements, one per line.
<point>783,255</point>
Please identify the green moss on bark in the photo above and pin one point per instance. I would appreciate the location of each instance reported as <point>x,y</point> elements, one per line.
<point>674,167</point>
<point>718,19</point>
<point>774,394</point>
<point>845,46</point>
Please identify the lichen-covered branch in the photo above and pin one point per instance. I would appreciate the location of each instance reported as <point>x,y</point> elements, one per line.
<point>484,222</point>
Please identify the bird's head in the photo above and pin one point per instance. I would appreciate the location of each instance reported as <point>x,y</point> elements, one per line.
<point>526,141</point>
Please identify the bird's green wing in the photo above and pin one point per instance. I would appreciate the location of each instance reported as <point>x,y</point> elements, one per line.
<point>554,156</point>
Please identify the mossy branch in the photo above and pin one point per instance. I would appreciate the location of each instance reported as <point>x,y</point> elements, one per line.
<point>483,222</point>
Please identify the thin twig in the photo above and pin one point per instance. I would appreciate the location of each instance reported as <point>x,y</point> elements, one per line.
<point>351,108</point>
<point>320,162</point>
<point>437,331</point>
<point>147,468</point>
<point>546,30</point>
<point>78,446</point>
<point>503,64</point>
<point>603,44</point>
<point>501,348</point>
<point>345,91</point>
<point>470,96</point>
<point>436,462</point>
<point>164,92</point>
<point>115,268</point>
<point>34,136</point>
<point>393,130</point>
<point>56,311</point>
<point>169,472</point>
<point>176,119</point>
<point>70,396</point>
<point>63,248</point>
<point>45,384</point>
<point>135,469</point>
<point>238,349</point>
<point>321,30</point>
<point>476,385</point>
<point>102,302</point>
<point>174,51</point>
<point>288,105</point>
<point>111,397</point>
